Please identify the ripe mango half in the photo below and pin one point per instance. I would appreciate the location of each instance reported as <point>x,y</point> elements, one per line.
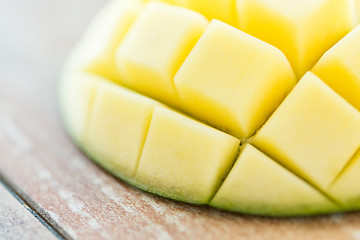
<point>251,106</point>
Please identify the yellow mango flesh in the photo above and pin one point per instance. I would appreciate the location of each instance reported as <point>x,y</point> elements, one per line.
<point>357,3</point>
<point>77,92</point>
<point>256,184</point>
<point>306,158</point>
<point>184,159</point>
<point>155,47</point>
<point>223,10</point>
<point>223,86</point>
<point>346,187</point>
<point>340,67</point>
<point>314,132</point>
<point>96,51</point>
<point>303,30</point>
<point>117,128</point>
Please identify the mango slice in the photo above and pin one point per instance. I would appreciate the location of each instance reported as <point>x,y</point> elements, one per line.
<point>220,113</point>
<point>156,46</point>
<point>340,67</point>
<point>184,159</point>
<point>302,29</point>
<point>224,86</point>
<point>259,185</point>
<point>118,125</point>
<point>314,132</point>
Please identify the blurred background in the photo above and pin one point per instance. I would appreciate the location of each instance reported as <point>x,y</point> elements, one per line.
<point>35,37</point>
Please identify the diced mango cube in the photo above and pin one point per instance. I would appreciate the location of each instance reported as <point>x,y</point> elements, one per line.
<point>165,1</point>
<point>357,2</point>
<point>302,29</point>
<point>76,96</point>
<point>117,128</point>
<point>223,10</point>
<point>96,52</point>
<point>346,187</point>
<point>225,80</point>
<point>155,47</point>
<point>314,132</point>
<point>184,159</point>
<point>258,185</point>
<point>340,67</point>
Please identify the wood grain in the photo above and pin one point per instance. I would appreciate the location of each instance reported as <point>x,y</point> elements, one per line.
<point>71,191</point>
<point>16,222</point>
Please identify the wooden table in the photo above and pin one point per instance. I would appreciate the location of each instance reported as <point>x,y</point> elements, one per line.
<point>49,190</point>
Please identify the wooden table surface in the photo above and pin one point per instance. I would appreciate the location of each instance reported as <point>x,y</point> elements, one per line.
<point>49,190</point>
